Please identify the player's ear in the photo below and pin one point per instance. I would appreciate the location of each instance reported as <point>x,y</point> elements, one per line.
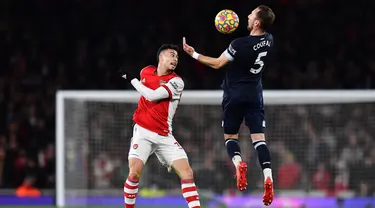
<point>160,57</point>
<point>257,23</point>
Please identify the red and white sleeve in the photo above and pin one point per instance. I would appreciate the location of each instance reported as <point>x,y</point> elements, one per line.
<point>175,87</point>
<point>149,94</point>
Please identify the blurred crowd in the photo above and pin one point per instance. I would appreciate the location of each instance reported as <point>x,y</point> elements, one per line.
<point>80,44</point>
<point>327,148</point>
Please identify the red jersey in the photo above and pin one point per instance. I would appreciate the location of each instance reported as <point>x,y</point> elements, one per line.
<point>157,116</point>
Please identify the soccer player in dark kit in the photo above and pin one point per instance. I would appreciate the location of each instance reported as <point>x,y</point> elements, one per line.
<point>243,93</point>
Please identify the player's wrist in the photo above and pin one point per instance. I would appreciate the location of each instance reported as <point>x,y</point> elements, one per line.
<point>195,55</point>
<point>133,80</point>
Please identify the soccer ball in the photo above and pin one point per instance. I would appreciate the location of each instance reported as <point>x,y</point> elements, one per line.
<point>226,21</point>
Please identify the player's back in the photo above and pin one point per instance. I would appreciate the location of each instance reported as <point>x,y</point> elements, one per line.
<point>250,56</point>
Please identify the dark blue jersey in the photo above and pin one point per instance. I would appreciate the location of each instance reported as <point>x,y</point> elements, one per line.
<point>249,57</point>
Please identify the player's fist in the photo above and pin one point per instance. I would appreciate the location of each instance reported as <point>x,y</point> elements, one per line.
<point>126,74</point>
<point>188,49</point>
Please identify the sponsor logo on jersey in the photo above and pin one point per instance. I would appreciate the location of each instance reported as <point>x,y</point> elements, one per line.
<point>161,82</point>
<point>174,85</point>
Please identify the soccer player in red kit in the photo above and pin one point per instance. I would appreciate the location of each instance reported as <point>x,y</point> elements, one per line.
<point>161,90</point>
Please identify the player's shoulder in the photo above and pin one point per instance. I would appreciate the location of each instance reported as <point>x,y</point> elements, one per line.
<point>242,42</point>
<point>239,41</point>
<point>176,77</point>
<point>251,40</point>
<point>268,35</point>
<point>148,70</point>
<point>176,81</point>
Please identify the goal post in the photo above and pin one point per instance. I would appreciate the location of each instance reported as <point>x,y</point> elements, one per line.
<point>93,130</point>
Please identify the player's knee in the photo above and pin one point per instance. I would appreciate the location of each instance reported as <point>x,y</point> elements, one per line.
<point>187,173</point>
<point>230,136</point>
<point>135,175</point>
<point>258,137</point>
<point>135,168</point>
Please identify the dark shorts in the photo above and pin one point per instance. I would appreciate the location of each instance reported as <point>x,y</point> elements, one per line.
<point>236,109</point>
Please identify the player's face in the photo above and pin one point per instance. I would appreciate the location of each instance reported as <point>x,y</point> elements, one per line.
<point>252,21</point>
<point>169,59</point>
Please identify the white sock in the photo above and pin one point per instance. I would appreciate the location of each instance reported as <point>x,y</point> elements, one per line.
<point>236,160</point>
<point>267,172</point>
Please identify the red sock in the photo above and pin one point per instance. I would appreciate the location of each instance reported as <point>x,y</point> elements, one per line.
<point>189,192</point>
<point>130,192</point>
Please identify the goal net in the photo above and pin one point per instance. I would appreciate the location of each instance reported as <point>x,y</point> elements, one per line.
<point>322,145</point>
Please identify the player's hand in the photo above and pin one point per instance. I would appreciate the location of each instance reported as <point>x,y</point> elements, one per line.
<point>126,74</point>
<point>188,49</point>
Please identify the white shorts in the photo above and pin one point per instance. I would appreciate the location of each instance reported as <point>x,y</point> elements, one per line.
<point>144,143</point>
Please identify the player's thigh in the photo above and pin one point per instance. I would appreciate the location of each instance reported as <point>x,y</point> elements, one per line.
<point>233,114</point>
<point>141,145</point>
<point>254,119</point>
<point>168,150</point>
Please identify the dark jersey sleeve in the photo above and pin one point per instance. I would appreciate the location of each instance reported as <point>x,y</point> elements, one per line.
<point>231,51</point>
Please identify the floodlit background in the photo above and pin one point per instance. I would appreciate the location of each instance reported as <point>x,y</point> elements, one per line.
<point>323,154</point>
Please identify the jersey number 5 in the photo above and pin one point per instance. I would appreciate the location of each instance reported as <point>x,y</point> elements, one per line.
<point>259,62</point>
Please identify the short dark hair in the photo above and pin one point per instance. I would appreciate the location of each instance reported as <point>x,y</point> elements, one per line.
<point>266,16</point>
<point>166,47</point>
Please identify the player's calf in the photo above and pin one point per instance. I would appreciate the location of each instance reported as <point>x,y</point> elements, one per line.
<point>264,157</point>
<point>234,153</point>
<point>190,193</point>
<point>189,190</point>
<point>130,191</point>
<point>233,149</point>
<point>132,182</point>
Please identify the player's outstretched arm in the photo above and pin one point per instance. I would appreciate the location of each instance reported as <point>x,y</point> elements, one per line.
<point>151,95</point>
<point>215,63</point>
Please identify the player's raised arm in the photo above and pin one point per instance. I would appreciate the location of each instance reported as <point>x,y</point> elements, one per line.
<point>215,63</point>
<point>151,95</point>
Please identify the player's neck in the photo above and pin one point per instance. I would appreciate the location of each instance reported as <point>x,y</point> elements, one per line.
<point>162,72</point>
<point>257,32</point>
